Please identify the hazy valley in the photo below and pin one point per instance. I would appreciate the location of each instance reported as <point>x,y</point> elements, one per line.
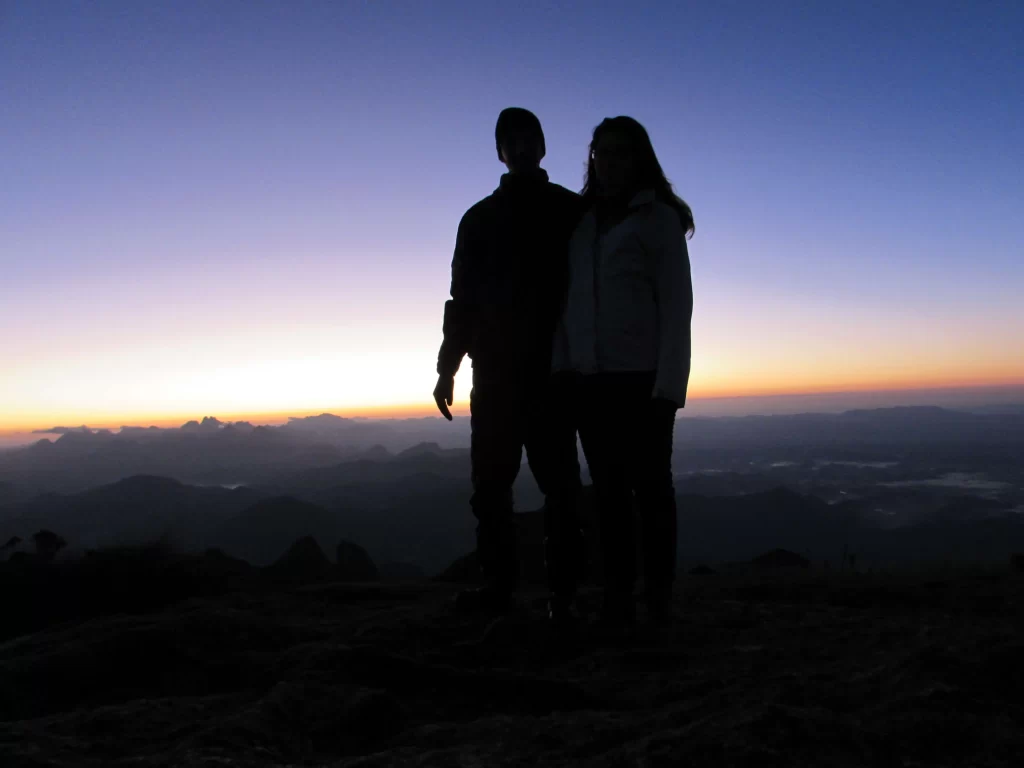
<point>889,484</point>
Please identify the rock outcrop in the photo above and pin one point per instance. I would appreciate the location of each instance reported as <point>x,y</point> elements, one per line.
<point>303,563</point>
<point>354,564</point>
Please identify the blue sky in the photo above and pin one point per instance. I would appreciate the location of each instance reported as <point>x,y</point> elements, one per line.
<point>200,196</point>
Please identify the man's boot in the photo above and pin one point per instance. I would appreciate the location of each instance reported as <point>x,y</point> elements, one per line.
<point>563,557</point>
<point>496,554</point>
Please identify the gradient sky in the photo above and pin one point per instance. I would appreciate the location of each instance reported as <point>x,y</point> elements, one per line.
<point>249,207</point>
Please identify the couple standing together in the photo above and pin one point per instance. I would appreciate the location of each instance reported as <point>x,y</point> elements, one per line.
<point>575,310</point>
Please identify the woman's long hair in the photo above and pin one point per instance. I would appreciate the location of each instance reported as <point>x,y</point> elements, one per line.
<point>648,169</point>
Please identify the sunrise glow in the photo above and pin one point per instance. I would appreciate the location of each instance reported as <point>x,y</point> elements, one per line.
<point>238,214</point>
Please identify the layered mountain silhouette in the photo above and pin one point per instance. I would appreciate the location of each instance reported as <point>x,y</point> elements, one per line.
<point>132,511</point>
<point>210,451</point>
<point>421,521</point>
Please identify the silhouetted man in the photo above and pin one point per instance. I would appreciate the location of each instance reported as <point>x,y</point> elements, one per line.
<point>509,278</point>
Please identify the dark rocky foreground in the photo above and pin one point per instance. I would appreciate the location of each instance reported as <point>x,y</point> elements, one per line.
<point>802,668</point>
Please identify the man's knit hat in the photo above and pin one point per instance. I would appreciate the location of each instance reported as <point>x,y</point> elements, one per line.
<point>517,120</point>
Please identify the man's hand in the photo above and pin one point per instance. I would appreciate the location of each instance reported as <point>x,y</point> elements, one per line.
<point>444,393</point>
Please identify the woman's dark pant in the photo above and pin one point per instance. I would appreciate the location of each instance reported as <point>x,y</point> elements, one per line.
<point>627,441</point>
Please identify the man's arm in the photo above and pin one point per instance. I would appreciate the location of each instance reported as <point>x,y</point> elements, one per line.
<point>460,309</point>
<point>460,313</point>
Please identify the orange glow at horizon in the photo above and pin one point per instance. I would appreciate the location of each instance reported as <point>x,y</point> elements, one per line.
<point>313,356</point>
<point>23,423</point>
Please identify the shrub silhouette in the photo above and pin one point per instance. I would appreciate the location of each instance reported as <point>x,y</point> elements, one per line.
<point>47,544</point>
<point>12,543</point>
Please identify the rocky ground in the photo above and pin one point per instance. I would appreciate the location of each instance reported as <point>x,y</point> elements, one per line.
<point>803,668</point>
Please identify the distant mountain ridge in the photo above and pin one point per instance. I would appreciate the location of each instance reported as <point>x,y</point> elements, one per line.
<point>214,452</point>
<point>931,417</point>
<point>402,489</point>
<point>211,451</point>
<point>132,511</point>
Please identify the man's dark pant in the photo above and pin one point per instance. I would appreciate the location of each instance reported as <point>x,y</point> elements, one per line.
<point>511,411</point>
<point>627,441</point>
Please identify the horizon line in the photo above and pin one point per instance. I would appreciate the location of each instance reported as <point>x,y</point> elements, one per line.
<point>426,410</point>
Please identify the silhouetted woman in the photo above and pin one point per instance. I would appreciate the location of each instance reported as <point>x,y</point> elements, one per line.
<point>626,331</point>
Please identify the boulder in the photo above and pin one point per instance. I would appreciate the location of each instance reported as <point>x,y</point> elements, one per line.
<point>303,563</point>
<point>354,564</point>
<point>47,544</point>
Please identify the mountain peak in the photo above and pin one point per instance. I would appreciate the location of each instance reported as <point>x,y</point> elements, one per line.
<point>325,421</point>
<point>208,424</point>
<point>422,449</point>
<point>146,482</point>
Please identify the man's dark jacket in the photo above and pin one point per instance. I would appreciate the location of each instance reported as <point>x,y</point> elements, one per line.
<point>509,277</point>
